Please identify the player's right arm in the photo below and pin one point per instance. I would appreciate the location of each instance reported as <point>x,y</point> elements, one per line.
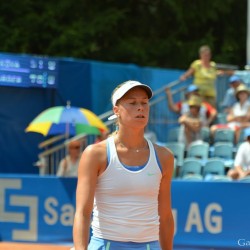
<point>89,167</point>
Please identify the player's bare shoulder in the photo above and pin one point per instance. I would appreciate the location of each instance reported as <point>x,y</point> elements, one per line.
<point>163,151</point>
<point>166,158</point>
<point>94,158</point>
<point>96,150</point>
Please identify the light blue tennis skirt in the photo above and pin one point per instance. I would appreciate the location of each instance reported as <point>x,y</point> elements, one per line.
<point>101,244</point>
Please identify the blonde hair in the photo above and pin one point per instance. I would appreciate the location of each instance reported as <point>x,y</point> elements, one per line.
<point>117,87</point>
<point>204,48</point>
<point>116,122</point>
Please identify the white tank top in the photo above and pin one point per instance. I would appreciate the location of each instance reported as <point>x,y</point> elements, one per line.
<point>126,202</point>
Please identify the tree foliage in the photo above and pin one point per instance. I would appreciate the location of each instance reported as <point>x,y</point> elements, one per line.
<point>160,33</point>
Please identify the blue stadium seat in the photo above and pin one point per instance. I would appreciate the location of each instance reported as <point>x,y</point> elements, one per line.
<point>190,166</point>
<point>224,135</point>
<point>178,149</point>
<point>198,149</point>
<point>224,151</point>
<point>221,118</point>
<point>214,166</point>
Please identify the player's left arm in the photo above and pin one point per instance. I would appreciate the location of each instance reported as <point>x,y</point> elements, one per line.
<point>166,158</point>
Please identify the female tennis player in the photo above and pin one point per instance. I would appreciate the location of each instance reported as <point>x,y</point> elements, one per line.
<point>124,183</point>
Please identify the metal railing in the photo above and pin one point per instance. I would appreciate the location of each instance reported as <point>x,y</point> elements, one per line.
<point>55,148</point>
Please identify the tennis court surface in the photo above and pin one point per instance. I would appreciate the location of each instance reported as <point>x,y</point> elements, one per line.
<point>25,246</point>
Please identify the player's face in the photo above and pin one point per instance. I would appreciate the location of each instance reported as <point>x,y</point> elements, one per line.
<point>133,108</point>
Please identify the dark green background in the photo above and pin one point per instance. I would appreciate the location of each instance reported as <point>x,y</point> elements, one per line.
<point>161,33</point>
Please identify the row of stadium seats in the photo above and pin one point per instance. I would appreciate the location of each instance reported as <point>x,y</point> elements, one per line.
<point>211,177</point>
<point>202,151</point>
<point>221,135</point>
<point>202,160</point>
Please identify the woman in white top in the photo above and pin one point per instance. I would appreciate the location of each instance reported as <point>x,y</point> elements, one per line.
<point>238,117</point>
<point>242,159</point>
<point>68,166</point>
<point>239,114</point>
<point>126,181</point>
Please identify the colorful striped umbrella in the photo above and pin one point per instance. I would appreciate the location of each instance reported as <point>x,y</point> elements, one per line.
<point>66,120</point>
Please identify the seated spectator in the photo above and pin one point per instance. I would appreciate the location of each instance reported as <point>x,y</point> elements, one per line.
<point>182,107</point>
<point>242,159</point>
<point>239,114</point>
<point>68,166</point>
<point>230,98</point>
<point>192,121</point>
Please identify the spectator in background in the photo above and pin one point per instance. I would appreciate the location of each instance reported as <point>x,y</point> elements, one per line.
<point>230,98</point>
<point>182,107</point>
<point>68,166</point>
<point>242,159</point>
<point>192,122</point>
<point>239,114</point>
<point>205,73</point>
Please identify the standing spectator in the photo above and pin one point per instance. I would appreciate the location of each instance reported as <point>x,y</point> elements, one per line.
<point>205,73</point>
<point>230,98</point>
<point>242,159</point>
<point>126,181</point>
<point>192,122</point>
<point>182,107</point>
<point>68,166</point>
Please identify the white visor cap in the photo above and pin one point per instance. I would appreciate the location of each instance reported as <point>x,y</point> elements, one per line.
<point>120,92</point>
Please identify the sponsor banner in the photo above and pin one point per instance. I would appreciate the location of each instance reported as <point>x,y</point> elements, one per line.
<point>211,214</point>
<point>37,209</point>
<point>207,214</point>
